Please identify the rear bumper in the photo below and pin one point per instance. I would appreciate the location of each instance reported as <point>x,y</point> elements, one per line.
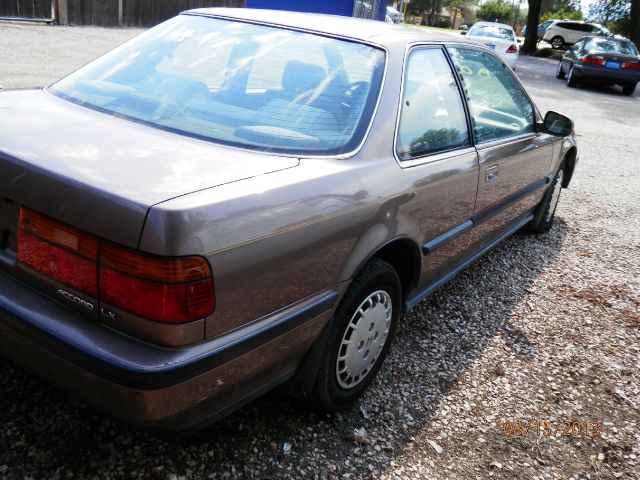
<point>150,386</point>
<point>603,74</point>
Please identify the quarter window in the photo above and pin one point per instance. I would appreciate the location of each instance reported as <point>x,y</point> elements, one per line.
<point>499,106</point>
<point>432,117</point>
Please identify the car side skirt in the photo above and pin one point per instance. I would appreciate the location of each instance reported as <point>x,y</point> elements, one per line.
<point>433,286</point>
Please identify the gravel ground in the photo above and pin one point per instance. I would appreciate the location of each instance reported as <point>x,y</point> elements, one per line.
<point>543,328</point>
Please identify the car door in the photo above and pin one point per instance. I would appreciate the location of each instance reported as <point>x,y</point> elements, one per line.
<point>434,148</point>
<point>514,155</point>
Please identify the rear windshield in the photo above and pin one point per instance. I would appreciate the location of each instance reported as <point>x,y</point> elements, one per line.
<point>492,31</point>
<point>238,84</point>
<point>609,45</point>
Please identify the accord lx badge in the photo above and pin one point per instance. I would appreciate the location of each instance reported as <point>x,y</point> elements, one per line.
<point>75,299</point>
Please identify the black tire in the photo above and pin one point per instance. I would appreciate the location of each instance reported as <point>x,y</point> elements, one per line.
<point>557,42</point>
<point>629,88</point>
<point>560,72</point>
<point>571,79</point>
<point>545,213</point>
<point>377,276</point>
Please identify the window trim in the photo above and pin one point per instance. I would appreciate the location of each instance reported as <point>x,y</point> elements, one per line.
<point>536,112</point>
<point>443,154</point>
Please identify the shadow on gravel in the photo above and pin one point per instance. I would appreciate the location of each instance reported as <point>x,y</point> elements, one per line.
<point>46,435</point>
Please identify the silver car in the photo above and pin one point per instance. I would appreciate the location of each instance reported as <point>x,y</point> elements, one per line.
<point>238,199</point>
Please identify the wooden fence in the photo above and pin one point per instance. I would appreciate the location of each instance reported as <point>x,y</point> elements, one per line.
<point>27,9</point>
<point>135,13</point>
<point>130,13</point>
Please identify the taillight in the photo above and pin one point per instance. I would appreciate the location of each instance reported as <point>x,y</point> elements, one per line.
<point>169,290</point>
<point>58,251</point>
<point>512,48</point>
<point>593,60</point>
<point>631,65</point>
<point>174,290</point>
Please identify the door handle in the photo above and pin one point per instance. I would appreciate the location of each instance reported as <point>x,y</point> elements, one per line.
<point>491,173</point>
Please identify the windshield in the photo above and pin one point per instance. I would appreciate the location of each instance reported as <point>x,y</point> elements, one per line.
<point>607,45</point>
<point>238,84</point>
<point>492,31</point>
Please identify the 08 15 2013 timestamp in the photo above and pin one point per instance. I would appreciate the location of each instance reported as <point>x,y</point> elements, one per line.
<point>549,428</point>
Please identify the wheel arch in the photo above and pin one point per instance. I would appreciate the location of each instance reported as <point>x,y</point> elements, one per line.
<point>403,254</point>
<point>570,159</point>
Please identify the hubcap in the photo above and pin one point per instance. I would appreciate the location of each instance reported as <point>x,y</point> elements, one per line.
<point>364,339</point>
<point>555,195</point>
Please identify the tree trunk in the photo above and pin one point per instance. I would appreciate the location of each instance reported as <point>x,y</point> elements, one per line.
<point>531,40</point>
<point>635,22</point>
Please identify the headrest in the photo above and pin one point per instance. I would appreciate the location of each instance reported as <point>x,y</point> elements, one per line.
<point>298,77</point>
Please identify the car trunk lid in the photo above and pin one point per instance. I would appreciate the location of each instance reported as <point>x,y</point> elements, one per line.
<point>101,173</point>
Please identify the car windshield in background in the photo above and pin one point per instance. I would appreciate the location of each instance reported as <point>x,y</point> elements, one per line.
<point>238,84</point>
<point>491,31</point>
<point>608,45</point>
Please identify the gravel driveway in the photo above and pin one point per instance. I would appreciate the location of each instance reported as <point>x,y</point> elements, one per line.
<point>543,328</point>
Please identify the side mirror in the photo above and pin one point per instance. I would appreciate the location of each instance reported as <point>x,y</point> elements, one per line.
<point>557,124</point>
<point>463,33</point>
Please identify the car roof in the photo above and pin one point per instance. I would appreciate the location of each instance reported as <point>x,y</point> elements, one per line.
<point>356,28</point>
<point>493,24</point>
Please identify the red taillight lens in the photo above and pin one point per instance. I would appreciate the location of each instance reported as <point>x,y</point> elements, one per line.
<point>512,48</point>
<point>57,251</point>
<point>174,290</point>
<point>631,65</point>
<point>593,60</point>
<point>170,290</point>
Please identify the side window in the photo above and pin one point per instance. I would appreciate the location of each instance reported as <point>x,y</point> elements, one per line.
<point>499,106</point>
<point>432,117</point>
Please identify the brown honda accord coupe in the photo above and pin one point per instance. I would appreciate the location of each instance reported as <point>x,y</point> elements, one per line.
<point>237,199</point>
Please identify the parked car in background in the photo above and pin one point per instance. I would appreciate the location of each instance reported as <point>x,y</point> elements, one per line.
<point>609,61</point>
<point>240,198</point>
<point>542,28</point>
<point>464,27</point>
<point>498,37</point>
<point>562,33</point>
<point>393,15</point>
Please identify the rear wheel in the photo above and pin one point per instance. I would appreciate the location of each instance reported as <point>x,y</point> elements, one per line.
<point>629,88</point>
<point>571,79</point>
<point>362,330</point>
<point>557,42</point>
<point>560,72</point>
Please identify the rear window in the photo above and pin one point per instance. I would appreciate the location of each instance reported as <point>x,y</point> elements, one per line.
<point>608,45</point>
<point>238,84</point>
<point>492,32</point>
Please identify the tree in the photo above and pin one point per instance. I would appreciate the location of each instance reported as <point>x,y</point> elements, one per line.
<point>495,10</point>
<point>634,22</point>
<point>621,16</point>
<point>531,39</point>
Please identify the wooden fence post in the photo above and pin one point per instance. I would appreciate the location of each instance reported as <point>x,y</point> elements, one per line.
<point>120,12</point>
<point>63,13</point>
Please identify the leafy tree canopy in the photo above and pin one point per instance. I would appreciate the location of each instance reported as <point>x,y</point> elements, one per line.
<point>496,10</point>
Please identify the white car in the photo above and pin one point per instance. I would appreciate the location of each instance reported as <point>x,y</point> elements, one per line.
<point>562,33</point>
<point>498,37</point>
